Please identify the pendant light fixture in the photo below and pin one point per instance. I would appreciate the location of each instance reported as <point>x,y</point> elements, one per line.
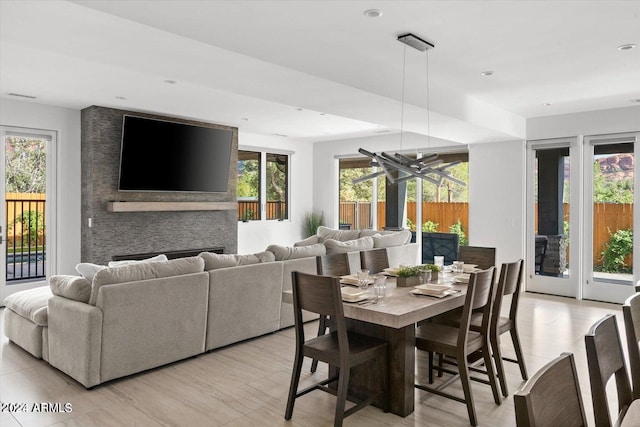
<point>429,168</point>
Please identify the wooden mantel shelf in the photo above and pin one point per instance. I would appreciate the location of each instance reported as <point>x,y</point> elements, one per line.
<point>170,206</point>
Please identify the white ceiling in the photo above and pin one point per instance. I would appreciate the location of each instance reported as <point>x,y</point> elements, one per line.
<point>321,70</point>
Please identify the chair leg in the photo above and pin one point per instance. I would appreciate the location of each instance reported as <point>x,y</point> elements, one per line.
<point>440,364</point>
<point>518,349</point>
<point>466,387</point>
<point>322,328</point>
<point>343,385</point>
<point>293,388</point>
<point>431,367</point>
<point>497,357</point>
<point>488,362</point>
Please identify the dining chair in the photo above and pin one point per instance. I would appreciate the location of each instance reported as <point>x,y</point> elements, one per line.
<point>374,260</point>
<point>340,348</point>
<point>551,397</point>
<point>440,244</point>
<point>329,265</point>
<point>541,243</point>
<point>605,360</point>
<point>461,342</point>
<point>631,313</point>
<point>481,256</point>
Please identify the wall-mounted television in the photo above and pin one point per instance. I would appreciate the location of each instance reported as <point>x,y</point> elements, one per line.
<point>158,155</point>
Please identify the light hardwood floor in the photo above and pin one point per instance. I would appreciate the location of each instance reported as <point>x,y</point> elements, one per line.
<point>246,384</point>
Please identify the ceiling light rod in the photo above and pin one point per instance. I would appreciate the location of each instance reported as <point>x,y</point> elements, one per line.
<point>415,42</point>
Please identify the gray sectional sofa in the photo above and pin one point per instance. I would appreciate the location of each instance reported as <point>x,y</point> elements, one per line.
<point>133,317</point>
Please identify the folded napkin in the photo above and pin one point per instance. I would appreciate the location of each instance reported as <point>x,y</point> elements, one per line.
<point>434,293</point>
<point>461,278</point>
<point>353,295</point>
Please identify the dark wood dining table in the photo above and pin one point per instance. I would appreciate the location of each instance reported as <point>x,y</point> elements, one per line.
<point>394,319</point>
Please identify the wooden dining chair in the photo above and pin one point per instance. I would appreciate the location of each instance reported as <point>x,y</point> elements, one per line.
<point>631,313</point>
<point>605,359</point>
<point>481,256</point>
<point>329,265</point>
<point>374,260</point>
<point>461,342</point>
<point>341,349</point>
<point>552,397</point>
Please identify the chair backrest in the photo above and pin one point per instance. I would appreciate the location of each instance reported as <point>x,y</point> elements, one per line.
<point>321,295</point>
<point>480,293</point>
<point>631,312</point>
<point>374,260</point>
<point>551,397</point>
<point>509,283</point>
<point>605,359</point>
<point>482,257</point>
<point>333,265</point>
<point>441,244</point>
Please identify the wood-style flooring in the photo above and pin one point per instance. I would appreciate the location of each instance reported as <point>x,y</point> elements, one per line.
<point>246,384</point>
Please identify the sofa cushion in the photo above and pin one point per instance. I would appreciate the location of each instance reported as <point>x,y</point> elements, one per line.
<point>144,271</point>
<point>283,253</point>
<point>88,270</point>
<point>214,261</point>
<point>311,240</point>
<point>71,287</point>
<point>326,233</point>
<point>30,304</point>
<point>161,257</point>
<point>398,238</point>
<point>337,247</point>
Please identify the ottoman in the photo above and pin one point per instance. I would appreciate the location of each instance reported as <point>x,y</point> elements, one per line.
<point>25,320</point>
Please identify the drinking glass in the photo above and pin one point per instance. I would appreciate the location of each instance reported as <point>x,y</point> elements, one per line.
<point>439,261</point>
<point>363,278</point>
<point>458,266</point>
<point>380,287</point>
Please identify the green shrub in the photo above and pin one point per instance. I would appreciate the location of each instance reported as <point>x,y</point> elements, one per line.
<point>430,227</point>
<point>459,230</point>
<point>620,245</point>
<point>312,221</point>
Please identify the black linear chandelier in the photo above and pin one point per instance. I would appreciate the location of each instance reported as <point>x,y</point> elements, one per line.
<point>429,168</point>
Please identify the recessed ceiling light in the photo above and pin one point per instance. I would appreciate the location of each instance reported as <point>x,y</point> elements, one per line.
<point>626,46</point>
<point>487,73</point>
<point>546,104</point>
<point>280,135</point>
<point>170,82</point>
<point>372,13</point>
<point>244,119</point>
<point>122,98</point>
<point>637,100</point>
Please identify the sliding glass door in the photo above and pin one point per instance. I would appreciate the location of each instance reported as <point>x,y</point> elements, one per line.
<point>611,266</point>
<point>553,187</point>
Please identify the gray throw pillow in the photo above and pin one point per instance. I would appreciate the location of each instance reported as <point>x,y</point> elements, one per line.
<point>394,239</point>
<point>326,233</point>
<point>283,253</point>
<point>71,287</point>
<point>337,247</point>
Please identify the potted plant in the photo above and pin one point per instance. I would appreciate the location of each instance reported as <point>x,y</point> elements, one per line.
<point>410,276</point>
<point>312,221</point>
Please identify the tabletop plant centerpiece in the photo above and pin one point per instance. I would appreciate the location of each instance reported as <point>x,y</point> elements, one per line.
<point>412,276</point>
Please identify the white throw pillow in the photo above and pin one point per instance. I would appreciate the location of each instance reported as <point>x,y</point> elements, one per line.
<point>88,270</point>
<point>161,257</point>
<point>337,247</point>
<point>283,253</point>
<point>395,239</point>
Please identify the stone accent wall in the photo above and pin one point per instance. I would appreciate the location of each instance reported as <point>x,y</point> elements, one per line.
<point>122,233</point>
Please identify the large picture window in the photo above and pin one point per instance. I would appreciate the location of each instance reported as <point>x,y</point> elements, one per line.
<point>263,185</point>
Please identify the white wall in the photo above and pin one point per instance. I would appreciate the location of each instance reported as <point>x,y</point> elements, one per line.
<point>497,198</point>
<point>66,122</point>
<point>255,236</point>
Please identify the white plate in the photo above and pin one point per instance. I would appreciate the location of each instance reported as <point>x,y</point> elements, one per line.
<point>353,295</point>
<point>391,271</point>
<point>352,279</point>
<point>462,278</point>
<point>469,268</point>
<point>434,287</point>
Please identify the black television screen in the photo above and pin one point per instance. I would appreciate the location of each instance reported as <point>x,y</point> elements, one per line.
<point>167,156</point>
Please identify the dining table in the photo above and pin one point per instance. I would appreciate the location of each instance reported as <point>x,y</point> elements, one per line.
<point>393,319</point>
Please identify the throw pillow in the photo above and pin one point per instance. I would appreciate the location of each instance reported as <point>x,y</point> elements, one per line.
<point>394,239</point>
<point>71,287</point>
<point>326,233</point>
<point>88,270</point>
<point>337,247</point>
<point>161,257</point>
<point>311,240</point>
<point>283,253</point>
<point>214,261</point>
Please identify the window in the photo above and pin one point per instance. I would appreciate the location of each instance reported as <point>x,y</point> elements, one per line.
<point>263,176</point>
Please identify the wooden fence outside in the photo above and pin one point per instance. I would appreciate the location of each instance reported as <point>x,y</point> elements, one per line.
<point>607,217</point>
<point>19,203</point>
